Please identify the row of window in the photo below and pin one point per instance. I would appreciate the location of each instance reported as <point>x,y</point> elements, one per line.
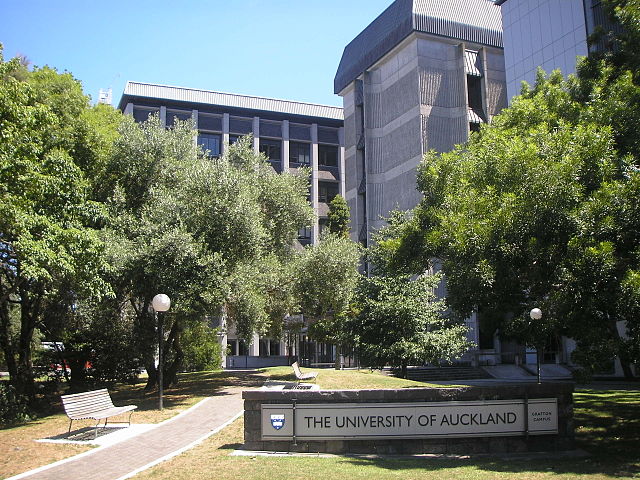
<point>299,153</point>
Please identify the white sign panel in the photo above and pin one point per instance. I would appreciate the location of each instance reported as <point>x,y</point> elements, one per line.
<point>411,420</point>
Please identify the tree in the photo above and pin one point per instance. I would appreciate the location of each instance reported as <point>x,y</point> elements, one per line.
<point>216,235</point>
<point>338,217</point>
<point>538,209</point>
<point>399,322</point>
<point>327,274</point>
<point>49,248</point>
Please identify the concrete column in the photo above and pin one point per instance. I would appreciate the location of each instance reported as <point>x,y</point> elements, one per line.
<point>285,145</point>
<point>256,134</point>
<point>222,340</point>
<point>314,182</point>
<point>128,110</point>
<point>341,165</point>
<point>194,117</point>
<point>225,130</point>
<point>163,116</point>
<point>254,348</point>
<point>483,81</point>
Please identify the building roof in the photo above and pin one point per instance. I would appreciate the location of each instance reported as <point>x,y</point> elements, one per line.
<point>208,97</point>
<point>476,21</point>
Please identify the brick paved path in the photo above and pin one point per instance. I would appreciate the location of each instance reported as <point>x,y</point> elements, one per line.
<point>125,458</point>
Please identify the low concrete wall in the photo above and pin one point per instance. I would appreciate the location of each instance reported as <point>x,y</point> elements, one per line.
<point>564,440</point>
<point>248,361</point>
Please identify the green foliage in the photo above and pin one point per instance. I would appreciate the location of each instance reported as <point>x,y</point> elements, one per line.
<point>539,209</point>
<point>399,322</point>
<point>327,274</point>
<point>231,248</point>
<point>201,347</point>
<point>338,216</point>
<point>14,408</point>
<point>49,248</point>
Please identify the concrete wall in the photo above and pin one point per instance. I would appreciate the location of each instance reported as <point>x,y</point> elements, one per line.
<point>414,99</point>
<point>564,440</point>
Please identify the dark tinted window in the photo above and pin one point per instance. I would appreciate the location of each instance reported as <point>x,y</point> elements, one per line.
<point>327,155</point>
<point>211,142</point>
<point>299,154</point>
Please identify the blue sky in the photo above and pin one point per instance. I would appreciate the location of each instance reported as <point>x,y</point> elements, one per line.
<point>273,48</point>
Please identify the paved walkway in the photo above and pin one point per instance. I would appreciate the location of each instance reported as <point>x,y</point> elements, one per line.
<point>125,459</point>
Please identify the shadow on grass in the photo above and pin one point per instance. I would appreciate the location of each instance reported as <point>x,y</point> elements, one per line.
<point>607,426</point>
<point>195,384</point>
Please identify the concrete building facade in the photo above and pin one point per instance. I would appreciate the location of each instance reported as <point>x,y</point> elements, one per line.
<point>292,135</point>
<point>421,76</point>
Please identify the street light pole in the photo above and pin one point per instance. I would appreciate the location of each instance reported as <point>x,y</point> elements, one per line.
<point>536,314</point>
<point>161,303</point>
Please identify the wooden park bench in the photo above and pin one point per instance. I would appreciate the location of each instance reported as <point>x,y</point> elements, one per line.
<point>303,376</point>
<point>96,405</point>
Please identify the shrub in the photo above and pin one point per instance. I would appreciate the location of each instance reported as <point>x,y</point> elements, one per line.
<point>14,408</point>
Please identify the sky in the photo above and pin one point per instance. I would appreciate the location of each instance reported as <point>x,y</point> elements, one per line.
<point>287,49</point>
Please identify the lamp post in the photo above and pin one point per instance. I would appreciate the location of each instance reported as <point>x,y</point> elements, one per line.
<point>160,303</point>
<point>536,314</point>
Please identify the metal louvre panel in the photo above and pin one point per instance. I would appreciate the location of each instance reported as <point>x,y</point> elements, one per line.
<point>472,63</point>
<point>474,117</point>
<point>232,100</point>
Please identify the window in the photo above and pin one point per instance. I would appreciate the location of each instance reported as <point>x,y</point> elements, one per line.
<point>233,139</point>
<point>304,234</point>
<point>141,114</point>
<point>272,149</point>
<point>173,115</point>
<point>327,155</point>
<point>327,191</point>
<point>210,142</point>
<point>474,95</point>
<point>299,154</point>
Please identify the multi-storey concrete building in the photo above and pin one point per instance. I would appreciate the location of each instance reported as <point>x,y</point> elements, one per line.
<point>421,76</point>
<point>548,33</point>
<point>291,135</point>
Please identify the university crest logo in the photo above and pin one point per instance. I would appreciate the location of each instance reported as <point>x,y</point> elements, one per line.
<point>277,421</point>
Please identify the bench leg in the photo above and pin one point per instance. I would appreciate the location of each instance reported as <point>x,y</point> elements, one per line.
<point>130,413</point>
<point>69,432</point>
<point>95,433</point>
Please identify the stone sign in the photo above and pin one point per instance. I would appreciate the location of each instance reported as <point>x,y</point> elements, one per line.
<point>333,421</point>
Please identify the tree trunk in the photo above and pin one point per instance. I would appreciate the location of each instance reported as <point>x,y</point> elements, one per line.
<point>171,369</point>
<point>403,369</point>
<point>29,309</point>
<point>338,363</point>
<point>152,376</point>
<point>5,341</point>
<point>624,363</point>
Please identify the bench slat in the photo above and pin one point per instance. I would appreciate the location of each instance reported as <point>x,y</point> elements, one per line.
<point>96,404</point>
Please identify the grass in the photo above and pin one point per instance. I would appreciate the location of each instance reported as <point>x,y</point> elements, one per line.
<point>607,426</point>
<point>330,379</point>
<point>22,453</point>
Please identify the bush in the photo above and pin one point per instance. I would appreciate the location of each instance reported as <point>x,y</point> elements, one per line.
<point>201,348</point>
<point>14,408</point>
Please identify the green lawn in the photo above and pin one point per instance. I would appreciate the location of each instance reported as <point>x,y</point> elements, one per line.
<point>607,427</point>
